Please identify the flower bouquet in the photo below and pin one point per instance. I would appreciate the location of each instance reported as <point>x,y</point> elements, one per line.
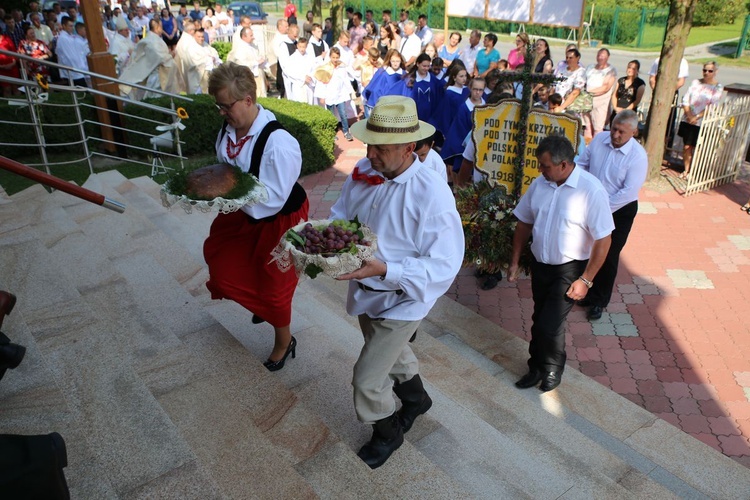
<point>223,187</point>
<point>488,221</point>
<point>323,246</point>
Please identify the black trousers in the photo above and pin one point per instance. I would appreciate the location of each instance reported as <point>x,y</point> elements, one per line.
<point>280,80</point>
<point>604,281</point>
<point>551,306</point>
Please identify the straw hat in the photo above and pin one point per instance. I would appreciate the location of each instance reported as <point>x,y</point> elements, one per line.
<point>393,120</point>
<point>323,74</point>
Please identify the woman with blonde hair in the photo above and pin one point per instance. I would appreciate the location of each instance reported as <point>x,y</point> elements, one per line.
<point>517,56</point>
<point>239,243</point>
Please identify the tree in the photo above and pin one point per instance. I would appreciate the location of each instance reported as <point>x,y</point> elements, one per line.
<point>337,13</point>
<point>317,11</point>
<point>678,28</point>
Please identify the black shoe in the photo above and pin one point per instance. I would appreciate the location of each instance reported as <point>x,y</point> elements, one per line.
<point>550,380</point>
<point>257,319</point>
<point>530,379</point>
<point>415,401</point>
<point>491,281</point>
<point>595,312</point>
<point>278,365</point>
<point>387,437</point>
<point>11,355</point>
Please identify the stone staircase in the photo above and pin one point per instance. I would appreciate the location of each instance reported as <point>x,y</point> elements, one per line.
<point>160,392</point>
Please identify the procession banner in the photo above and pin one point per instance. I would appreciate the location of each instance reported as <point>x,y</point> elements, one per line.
<point>498,138</point>
<point>560,13</point>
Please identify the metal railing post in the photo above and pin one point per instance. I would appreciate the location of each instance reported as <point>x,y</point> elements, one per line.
<point>743,38</point>
<point>613,31</point>
<point>81,127</point>
<point>641,26</point>
<point>35,121</point>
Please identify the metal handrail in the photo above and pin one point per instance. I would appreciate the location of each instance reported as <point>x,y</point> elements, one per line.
<point>24,57</point>
<point>33,103</point>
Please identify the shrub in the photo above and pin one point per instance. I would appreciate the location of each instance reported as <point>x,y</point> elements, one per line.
<point>312,126</point>
<point>223,48</point>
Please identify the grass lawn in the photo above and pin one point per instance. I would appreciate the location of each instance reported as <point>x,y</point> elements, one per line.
<point>654,35</point>
<point>727,60</point>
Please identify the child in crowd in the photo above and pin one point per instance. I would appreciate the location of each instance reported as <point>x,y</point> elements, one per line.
<point>555,101</point>
<point>502,65</point>
<point>437,68</point>
<point>430,158</point>
<point>301,65</point>
<point>338,91</point>
<point>461,126</point>
<point>543,94</point>
<point>455,94</point>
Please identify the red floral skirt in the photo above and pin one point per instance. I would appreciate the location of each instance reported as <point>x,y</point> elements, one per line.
<point>238,254</point>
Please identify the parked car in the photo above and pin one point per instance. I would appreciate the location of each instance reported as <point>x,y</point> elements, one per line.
<point>252,9</point>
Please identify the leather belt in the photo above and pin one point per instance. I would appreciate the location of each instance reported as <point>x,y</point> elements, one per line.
<point>368,289</point>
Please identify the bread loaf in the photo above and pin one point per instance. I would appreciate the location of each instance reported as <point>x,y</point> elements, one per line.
<point>211,181</point>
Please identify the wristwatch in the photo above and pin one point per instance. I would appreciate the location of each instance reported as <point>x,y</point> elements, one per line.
<point>586,282</point>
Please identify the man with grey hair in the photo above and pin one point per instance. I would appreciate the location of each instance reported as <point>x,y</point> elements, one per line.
<point>468,54</point>
<point>621,164</point>
<point>416,260</point>
<point>411,45</point>
<point>567,213</point>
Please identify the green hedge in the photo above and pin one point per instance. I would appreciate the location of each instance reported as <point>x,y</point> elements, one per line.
<point>312,126</point>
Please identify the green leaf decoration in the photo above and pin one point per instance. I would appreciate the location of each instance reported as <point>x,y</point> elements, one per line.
<point>313,270</point>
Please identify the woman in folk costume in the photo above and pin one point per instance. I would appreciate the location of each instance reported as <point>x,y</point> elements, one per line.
<point>386,77</point>
<point>238,248</point>
<point>422,86</point>
<point>455,140</point>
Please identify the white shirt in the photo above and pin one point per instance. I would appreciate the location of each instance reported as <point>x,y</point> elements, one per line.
<point>411,46</point>
<point>420,239</point>
<point>566,219</point>
<point>347,57</point>
<point>435,162</point>
<point>140,23</point>
<point>280,165</point>
<point>469,56</point>
<point>683,73</point>
<point>622,171</point>
<point>339,88</point>
<point>470,154</point>
<point>71,51</point>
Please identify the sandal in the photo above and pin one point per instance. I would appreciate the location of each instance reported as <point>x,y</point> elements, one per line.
<point>746,208</point>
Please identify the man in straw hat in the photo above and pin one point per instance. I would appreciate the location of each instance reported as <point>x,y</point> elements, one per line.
<point>420,250</point>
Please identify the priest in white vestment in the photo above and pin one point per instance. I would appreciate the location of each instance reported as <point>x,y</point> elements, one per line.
<point>191,60</point>
<point>301,65</point>
<point>246,53</point>
<point>121,46</point>
<point>150,65</point>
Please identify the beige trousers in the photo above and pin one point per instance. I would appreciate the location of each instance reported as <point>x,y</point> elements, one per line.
<point>386,357</point>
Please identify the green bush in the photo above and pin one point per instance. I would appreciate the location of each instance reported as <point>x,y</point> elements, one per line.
<point>626,31</point>
<point>223,48</point>
<point>312,126</point>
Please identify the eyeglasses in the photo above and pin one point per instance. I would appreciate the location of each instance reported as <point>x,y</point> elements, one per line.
<point>227,107</point>
<point>708,71</point>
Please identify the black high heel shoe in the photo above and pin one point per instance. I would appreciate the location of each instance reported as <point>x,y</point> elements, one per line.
<point>278,365</point>
<point>257,319</point>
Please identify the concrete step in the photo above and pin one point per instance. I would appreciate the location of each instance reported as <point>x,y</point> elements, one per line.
<point>149,379</point>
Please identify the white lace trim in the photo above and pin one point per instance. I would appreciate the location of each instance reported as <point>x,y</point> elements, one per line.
<point>287,256</point>
<point>259,194</point>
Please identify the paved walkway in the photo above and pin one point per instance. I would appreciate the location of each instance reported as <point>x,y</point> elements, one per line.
<point>676,337</point>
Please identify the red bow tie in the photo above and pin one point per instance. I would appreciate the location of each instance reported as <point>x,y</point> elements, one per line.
<point>372,180</point>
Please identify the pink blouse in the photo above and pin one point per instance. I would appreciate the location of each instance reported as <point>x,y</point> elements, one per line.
<point>515,59</point>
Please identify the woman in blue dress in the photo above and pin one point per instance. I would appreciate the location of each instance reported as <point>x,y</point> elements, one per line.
<point>384,78</point>
<point>455,140</point>
<point>422,86</point>
<point>456,92</point>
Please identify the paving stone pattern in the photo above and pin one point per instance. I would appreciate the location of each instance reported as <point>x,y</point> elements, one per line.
<point>676,337</point>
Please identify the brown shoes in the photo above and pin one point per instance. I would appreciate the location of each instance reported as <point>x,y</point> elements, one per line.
<point>7,302</point>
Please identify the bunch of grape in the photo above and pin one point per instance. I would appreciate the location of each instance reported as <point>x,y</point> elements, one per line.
<point>340,236</point>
